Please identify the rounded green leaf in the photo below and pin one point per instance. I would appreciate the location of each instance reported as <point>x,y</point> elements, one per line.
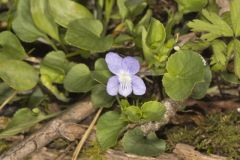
<point>18,75</point>
<point>101,73</point>
<point>187,6</point>
<point>23,24</point>
<point>201,88</point>
<point>100,98</point>
<point>42,19</point>
<point>184,69</point>
<point>109,127</point>
<point>10,47</point>
<point>133,113</point>
<point>135,142</point>
<point>153,111</point>
<point>86,34</point>
<point>65,11</point>
<point>79,79</point>
<point>156,34</point>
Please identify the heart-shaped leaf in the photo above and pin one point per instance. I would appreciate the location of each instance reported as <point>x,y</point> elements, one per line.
<point>10,47</point>
<point>86,34</point>
<point>184,70</point>
<point>66,11</point>
<point>42,19</point>
<point>100,97</point>
<point>79,79</point>
<point>18,75</point>
<point>109,127</point>
<point>135,142</point>
<point>153,111</point>
<point>23,24</point>
<point>101,73</point>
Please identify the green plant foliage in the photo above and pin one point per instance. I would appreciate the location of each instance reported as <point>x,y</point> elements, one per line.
<point>86,34</point>
<point>237,58</point>
<point>23,24</point>
<point>109,127</point>
<point>184,70</point>
<point>53,69</point>
<point>22,120</point>
<point>10,47</point>
<point>133,113</point>
<point>213,25</point>
<point>5,92</point>
<point>186,6</point>
<point>156,34</point>
<point>100,98</point>
<point>78,79</point>
<point>201,88</point>
<point>153,111</point>
<point>230,77</point>
<point>219,59</point>
<point>101,73</point>
<point>235,12</point>
<point>18,75</point>
<point>135,142</point>
<point>42,19</point>
<point>66,11</point>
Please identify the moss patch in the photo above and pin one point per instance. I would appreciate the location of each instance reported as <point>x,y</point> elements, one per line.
<point>218,134</point>
<point>93,152</point>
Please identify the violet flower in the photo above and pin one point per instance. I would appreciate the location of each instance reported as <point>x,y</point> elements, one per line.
<point>125,80</point>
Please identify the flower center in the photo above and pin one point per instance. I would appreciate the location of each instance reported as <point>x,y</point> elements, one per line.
<point>125,79</point>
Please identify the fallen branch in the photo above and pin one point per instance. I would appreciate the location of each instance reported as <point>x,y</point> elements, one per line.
<point>56,128</point>
<point>181,152</point>
<point>187,152</point>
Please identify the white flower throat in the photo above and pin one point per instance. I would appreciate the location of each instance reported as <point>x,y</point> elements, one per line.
<point>125,79</point>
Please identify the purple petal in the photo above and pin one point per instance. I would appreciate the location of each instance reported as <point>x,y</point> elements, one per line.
<point>138,86</point>
<point>114,62</point>
<point>112,86</point>
<point>125,90</point>
<point>131,64</point>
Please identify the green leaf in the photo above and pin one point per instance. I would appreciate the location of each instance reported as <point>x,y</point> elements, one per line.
<point>23,24</point>
<point>53,70</point>
<point>201,88</point>
<point>135,142</point>
<point>214,26</point>
<point>156,34</point>
<point>100,98</point>
<point>48,83</point>
<point>55,65</point>
<point>101,73</point>
<point>187,6</point>
<point>22,120</point>
<point>133,113</point>
<point>109,127</point>
<point>235,12</point>
<point>79,79</point>
<point>123,10</point>
<point>153,111</point>
<point>18,75</point>
<point>237,58</point>
<point>184,70</point>
<point>66,11</point>
<point>135,7</point>
<point>86,34</point>
<point>10,47</point>
<point>5,92</point>
<point>219,58</point>
<point>229,77</point>
<point>42,19</point>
